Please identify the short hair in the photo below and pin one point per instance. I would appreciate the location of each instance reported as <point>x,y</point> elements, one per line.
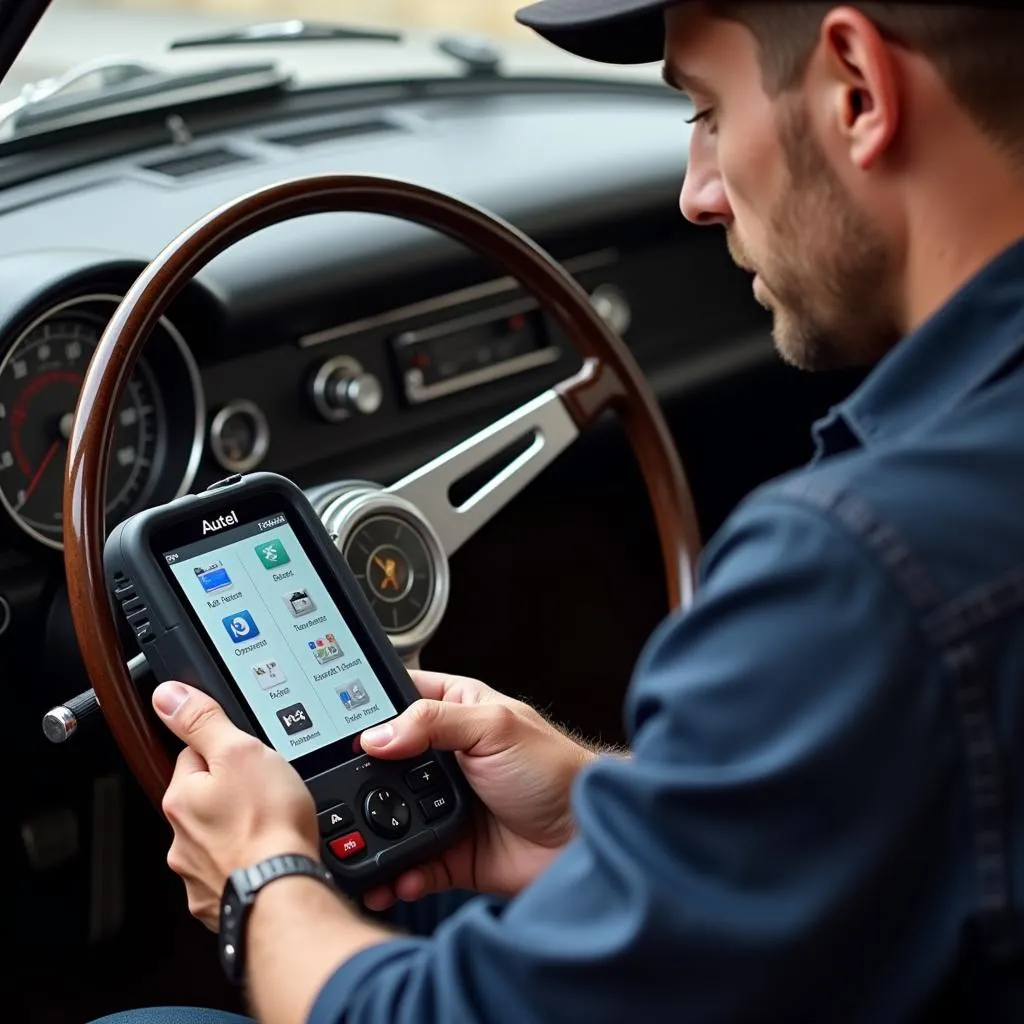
<point>976,50</point>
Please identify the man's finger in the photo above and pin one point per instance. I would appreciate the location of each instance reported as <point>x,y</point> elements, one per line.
<point>445,686</point>
<point>431,685</point>
<point>194,717</point>
<point>479,729</point>
<point>422,881</point>
<point>410,886</point>
<point>380,899</point>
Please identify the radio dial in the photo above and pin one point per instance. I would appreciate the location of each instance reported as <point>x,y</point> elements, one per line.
<point>361,393</point>
<point>342,388</point>
<point>612,306</point>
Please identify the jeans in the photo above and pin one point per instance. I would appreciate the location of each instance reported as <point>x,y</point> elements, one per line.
<point>173,1015</point>
<point>418,918</point>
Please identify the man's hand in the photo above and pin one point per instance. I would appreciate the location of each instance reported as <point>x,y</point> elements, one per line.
<point>520,766</point>
<point>232,801</point>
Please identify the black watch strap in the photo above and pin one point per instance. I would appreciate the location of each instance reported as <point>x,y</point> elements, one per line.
<point>239,894</point>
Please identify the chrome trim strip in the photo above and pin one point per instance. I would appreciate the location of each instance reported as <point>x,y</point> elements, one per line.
<point>418,393</point>
<point>575,265</point>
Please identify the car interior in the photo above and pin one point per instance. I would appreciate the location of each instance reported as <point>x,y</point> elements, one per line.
<point>343,350</point>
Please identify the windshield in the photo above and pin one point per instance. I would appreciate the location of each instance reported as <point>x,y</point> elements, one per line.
<point>76,31</point>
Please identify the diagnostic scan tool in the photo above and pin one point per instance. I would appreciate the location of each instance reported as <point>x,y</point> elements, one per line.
<point>240,592</point>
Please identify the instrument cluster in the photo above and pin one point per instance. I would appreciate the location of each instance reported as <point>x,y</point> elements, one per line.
<point>161,420</point>
<point>267,397</point>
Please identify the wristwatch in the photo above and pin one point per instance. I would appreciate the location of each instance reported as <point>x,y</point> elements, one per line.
<point>239,894</point>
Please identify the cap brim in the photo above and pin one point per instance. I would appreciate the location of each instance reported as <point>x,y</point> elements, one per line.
<point>607,31</point>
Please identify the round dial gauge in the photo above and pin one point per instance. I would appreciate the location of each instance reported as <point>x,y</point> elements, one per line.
<point>40,378</point>
<point>392,562</point>
<point>239,436</point>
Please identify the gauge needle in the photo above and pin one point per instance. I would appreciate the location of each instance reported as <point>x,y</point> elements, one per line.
<point>38,475</point>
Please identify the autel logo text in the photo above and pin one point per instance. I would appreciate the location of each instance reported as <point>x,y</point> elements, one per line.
<point>231,519</point>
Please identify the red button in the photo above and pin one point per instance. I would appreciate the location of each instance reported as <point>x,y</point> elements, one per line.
<point>347,845</point>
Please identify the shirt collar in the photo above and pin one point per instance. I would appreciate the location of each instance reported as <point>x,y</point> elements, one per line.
<point>936,366</point>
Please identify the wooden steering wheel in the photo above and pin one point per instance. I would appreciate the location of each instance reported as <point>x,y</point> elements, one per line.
<point>609,379</point>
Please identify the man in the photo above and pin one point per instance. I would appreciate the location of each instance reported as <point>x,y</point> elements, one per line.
<point>821,818</point>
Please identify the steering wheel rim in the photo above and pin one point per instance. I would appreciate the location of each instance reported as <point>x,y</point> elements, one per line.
<point>609,379</point>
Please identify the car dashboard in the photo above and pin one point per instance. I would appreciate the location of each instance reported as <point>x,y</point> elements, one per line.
<point>340,345</point>
<point>353,346</point>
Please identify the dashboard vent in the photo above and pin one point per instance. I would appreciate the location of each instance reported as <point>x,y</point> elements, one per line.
<point>197,163</point>
<point>334,132</point>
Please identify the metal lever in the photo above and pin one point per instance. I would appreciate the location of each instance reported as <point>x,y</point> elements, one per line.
<point>62,722</point>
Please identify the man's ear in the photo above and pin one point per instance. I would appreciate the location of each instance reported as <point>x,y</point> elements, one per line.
<point>862,76</point>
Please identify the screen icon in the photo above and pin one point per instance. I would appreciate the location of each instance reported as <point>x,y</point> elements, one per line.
<point>325,648</point>
<point>240,626</point>
<point>272,553</point>
<point>353,695</point>
<point>269,674</point>
<point>212,577</point>
<point>299,602</point>
<point>294,719</point>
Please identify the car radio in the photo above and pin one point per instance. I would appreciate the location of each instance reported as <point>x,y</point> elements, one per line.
<point>478,348</point>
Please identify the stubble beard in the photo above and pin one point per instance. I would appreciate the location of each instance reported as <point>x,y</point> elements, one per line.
<point>829,279</point>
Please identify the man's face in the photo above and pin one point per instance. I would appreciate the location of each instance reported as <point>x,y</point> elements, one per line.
<point>823,266</point>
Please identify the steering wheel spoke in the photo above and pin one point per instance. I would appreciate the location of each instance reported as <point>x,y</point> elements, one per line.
<point>543,424</point>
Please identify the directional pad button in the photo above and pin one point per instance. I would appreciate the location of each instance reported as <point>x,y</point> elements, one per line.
<point>387,813</point>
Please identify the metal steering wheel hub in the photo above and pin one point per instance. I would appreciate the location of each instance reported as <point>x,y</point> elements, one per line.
<point>399,538</point>
<point>395,554</point>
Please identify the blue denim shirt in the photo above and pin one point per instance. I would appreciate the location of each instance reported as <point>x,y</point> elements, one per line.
<point>823,816</point>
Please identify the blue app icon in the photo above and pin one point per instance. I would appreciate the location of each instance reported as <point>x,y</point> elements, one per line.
<point>212,577</point>
<point>240,626</point>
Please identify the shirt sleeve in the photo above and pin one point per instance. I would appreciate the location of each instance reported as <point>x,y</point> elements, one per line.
<point>792,762</point>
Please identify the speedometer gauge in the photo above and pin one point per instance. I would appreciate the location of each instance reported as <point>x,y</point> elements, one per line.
<point>39,383</point>
<point>40,379</point>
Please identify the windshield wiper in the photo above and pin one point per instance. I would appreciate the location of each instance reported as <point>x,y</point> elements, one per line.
<point>478,57</point>
<point>294,31</point>
<point>124,88</point>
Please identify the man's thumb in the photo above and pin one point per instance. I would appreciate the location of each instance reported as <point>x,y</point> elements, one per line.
<point>443,725</point>
<point>193,716</point>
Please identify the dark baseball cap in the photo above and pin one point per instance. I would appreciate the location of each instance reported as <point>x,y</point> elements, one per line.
<point>621,31</point>
<point>609,31</point>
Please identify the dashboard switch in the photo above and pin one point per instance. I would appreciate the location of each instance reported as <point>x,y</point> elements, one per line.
<point>341,388</point>
<point>612,306</point>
